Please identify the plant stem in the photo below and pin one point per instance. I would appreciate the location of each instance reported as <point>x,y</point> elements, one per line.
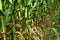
<point>14,35</point>
<point>3,28</point>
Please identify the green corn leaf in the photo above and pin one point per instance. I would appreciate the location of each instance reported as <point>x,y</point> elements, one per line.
<point>20,18</point>
<point>31,30</point>
<point>19,1</point>
<point>1,13</point>
<point>10,1</point>
<point>27,21</point>
<point>0,5</point>
<point>8,13</point>
<point>56,33</point>
<point>35,3</point>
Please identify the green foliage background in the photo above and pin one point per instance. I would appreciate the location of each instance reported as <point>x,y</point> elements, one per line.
<point>39,18</point>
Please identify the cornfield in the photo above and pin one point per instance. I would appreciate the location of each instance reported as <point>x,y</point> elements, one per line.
<point>29,19</point>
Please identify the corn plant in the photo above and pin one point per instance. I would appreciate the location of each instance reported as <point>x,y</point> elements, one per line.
<point>30,19</point>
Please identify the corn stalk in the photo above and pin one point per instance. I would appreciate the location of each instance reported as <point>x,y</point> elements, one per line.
<point>3,28</point>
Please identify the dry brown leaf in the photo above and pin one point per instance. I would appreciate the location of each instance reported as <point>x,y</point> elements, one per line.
<point>21,36</point>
